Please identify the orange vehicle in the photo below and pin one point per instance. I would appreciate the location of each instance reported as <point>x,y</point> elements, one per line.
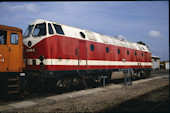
<point>11,59</point>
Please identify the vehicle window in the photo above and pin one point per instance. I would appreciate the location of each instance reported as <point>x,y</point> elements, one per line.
<point>28,31</point>
<point>50,29</point>
<point>58,29</point>
<point>117,42</point>
<point>107,49</point>
<point>90,35</point>
<point>128,44</point>
<point>14,38</point>
<point>104,38</point>
<point>127,52</point>
<point>3,37</point>
<point>122,43</point>
<point>92,47</point>
<point>82,35</point>
<point>118,51</point>
<point>110,40</point>
<point>40,30</point>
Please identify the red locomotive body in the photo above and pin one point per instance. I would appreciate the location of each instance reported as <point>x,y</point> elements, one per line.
<point>51,49</point>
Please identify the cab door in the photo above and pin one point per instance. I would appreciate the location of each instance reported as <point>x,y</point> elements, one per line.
<point>82,59</point>
<point>15,51</point>
<point>3,51</point>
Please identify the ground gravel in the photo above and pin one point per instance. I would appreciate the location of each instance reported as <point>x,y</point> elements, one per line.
<point>99,101</point>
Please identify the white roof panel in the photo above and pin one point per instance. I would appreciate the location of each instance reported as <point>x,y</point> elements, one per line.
<point>74,32</point>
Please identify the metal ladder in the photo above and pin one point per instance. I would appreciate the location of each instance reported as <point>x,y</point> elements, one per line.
<point>13,84</point>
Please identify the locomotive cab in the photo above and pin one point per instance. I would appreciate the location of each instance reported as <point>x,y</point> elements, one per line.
<point>11,59</point>
<point>36,37</point>
<point>39,30</point>
<point>34,53</point>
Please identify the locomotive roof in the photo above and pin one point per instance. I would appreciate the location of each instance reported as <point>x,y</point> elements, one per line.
<point>10,28</point>
<point>72,31</point>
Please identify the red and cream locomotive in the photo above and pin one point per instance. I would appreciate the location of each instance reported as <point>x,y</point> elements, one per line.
<point>66,56</point>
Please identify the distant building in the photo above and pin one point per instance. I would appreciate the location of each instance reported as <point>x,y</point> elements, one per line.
<point>164,65</point>
<point>155,62</point>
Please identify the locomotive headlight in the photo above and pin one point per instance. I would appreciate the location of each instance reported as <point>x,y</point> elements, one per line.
<point>41,64</point>
<point>29,43</point>
<point>41,58</point>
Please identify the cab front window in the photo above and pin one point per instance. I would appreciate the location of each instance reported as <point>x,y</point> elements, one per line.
<point>40,30</point>
<point>14,38</point>
<point>3,37</point>
<point>28,31</point>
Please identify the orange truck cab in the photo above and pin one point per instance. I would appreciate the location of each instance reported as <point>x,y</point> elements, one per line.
<point>11,59</point>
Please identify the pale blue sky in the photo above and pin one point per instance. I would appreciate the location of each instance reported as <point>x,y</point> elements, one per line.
<point>146,21</point>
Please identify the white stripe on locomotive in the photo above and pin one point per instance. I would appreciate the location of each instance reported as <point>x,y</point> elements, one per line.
<point>89,62</point>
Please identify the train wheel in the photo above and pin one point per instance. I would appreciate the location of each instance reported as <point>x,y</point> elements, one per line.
<point>132,75</point>
<point>143,74</point>
<point>108,79</point>
<point>148,74</point>
<point>30,85</point>
<point>130,80</point>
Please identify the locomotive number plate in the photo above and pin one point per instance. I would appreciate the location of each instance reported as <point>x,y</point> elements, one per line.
<point>22,74</point>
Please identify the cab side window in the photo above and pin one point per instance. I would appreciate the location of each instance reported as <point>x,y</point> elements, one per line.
<point>50,29</point>
<point>14,38</point>
<point>58,29</point>
<point>3,37</point>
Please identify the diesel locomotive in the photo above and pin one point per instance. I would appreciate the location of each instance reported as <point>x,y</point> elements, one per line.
<point>66,56</point>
